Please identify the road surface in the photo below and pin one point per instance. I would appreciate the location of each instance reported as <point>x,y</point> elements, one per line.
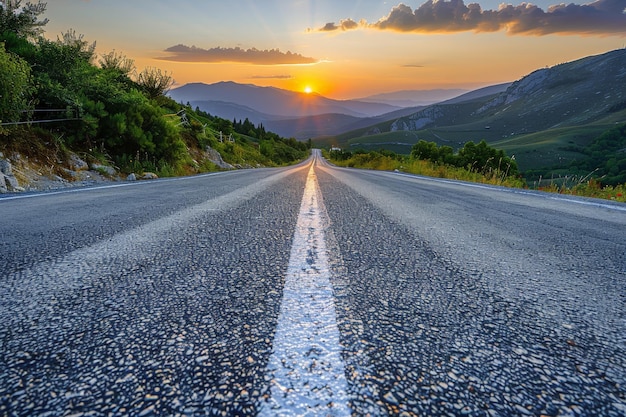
<point>311,290</point>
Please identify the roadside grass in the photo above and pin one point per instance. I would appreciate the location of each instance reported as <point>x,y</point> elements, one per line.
<point>583,187</point>
<point>588,188</point>
<point>429,169</point>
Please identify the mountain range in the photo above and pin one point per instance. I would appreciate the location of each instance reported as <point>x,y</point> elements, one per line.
<point>414,98</point>
<point>275,102</point>
<point>302,115</point>
<point>545,119</point>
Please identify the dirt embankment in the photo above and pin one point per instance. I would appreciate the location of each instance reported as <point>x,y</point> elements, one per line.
<point>19,173</point>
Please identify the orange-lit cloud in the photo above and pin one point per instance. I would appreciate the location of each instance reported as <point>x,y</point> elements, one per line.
<point>602,17</point>
<point>183,53</point>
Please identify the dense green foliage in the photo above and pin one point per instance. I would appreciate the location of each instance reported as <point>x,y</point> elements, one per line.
<point>606,157</point>
<point>484,159</point>
<point>480,158</point>
<point>14,86</point>
<point>101,107</point>
<point>602,159</point>
<point>474,162</point>
<point>23,20</point>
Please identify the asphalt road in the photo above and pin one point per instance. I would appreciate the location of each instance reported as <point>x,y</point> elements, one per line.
<point>328,291</point>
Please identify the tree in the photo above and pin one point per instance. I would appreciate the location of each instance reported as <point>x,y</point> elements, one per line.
<point>22,20</point>
<point>15,86</point>
<point>425,151</point>
<point>482,158</point>
<point>118,62</point>
<point>155,82</point>
<point>224,126</point>
<point>61,68</point>
<point>78,45</point>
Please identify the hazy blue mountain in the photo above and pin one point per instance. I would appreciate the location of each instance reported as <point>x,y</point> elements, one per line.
<point>414,98</point>
<point>477,94</point>
<point>274,101</point>
<point>300,115</point>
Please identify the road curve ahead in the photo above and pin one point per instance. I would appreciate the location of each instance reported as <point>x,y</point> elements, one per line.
<point>311,290</point>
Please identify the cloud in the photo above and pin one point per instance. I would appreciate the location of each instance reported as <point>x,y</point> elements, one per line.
<point>602,17</point>
<point>345,24</point>
<point>183,53</point>
<point>272,77</point>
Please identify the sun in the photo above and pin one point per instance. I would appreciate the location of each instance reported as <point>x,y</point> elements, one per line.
<point>308,89</point>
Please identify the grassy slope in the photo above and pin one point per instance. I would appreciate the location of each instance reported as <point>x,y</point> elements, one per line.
<point>537,150</point>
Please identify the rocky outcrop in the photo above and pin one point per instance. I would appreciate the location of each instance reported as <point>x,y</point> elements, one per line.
<point>215,157</point>
<point>418,120</point>
<point>149,176</point>
<point>145,176</point>
<point>103,169</point>
<point>8,182</point>
<point>77,164</point>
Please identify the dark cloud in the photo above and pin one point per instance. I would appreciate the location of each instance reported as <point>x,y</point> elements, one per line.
<point>329,27</point>
<point>183,53</point>
<point>602,17</point>
<point>346,24</point>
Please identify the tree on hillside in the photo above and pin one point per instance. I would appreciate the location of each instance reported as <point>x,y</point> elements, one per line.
<point>14,86</point>
<point>482,158</point>
<point>154,82</point>
<point>22,20</point>
<point>117,61</point>
<point>606,157</point>
<point>77,43</point>
<point>60,68</point>
<point>424,150</point>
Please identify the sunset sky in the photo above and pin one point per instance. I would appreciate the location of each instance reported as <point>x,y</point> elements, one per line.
<point>345,49</point>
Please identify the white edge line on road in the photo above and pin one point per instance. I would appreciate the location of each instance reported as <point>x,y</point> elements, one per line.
<point>517,191</point>
<point>28,287</point>
<point>306,369</point>
<point>86,188</point>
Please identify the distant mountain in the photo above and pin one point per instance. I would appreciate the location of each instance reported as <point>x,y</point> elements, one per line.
<point>274,102</point>
<point>414,98</point>
<point>477,94</point>
<point>230,111</point>
<point>328,124</point>
<point>303,116</point>
<point>573,93</point>
<point>543,118</point>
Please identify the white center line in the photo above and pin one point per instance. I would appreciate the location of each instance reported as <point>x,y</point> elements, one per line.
<point>306,369</point>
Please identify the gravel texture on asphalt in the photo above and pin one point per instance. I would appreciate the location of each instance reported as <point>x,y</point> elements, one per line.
<point>434,329</point>
<point>163,298</point>
<point>177,321</point>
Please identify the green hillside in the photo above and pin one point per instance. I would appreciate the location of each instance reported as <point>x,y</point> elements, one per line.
<point>545,119</point>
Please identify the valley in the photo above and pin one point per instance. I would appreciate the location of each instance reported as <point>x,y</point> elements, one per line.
<point>545,119</point>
